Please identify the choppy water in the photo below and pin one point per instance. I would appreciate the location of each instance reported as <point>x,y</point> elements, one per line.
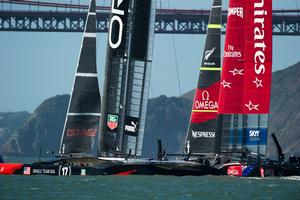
<point>147,187</point>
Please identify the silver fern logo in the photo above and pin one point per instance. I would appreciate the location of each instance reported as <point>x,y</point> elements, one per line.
<point>208,53</point>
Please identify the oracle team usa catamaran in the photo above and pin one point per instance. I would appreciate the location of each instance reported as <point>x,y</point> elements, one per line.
<point>125,96</point>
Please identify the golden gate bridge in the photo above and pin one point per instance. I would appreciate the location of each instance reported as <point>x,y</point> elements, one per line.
<point>36,16</point>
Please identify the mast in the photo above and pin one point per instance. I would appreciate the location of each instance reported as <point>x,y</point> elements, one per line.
<point>201,133</point>
<point>127,77</point>
<point>244,99</point>
<point>83,115</point>
<point>139,77</point>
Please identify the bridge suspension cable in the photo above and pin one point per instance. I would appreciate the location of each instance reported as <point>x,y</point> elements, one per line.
<point>176,59</point>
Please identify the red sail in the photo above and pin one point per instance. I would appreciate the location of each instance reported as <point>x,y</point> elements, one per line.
<point>247,64</point>
<point>258,58</point>
<point>232,79</point>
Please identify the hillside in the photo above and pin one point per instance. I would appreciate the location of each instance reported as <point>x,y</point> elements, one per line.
<point>285,110</point>
<point>10,122</point>
<point>167,119</point>
<point>42,129</point>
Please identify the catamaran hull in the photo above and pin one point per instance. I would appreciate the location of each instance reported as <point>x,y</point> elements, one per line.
<point>144,167</point>
<point>262,170</point>
<point>62,170</point>
<point>52,170</point>
<point>162,168</point>
<point>240,170</point>
<point>60,167</point>
<point>153,168</point>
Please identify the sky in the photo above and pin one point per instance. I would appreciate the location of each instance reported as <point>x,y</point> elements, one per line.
<point>36,66</point>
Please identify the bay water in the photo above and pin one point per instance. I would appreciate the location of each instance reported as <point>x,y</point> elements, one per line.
<point>147,187</point>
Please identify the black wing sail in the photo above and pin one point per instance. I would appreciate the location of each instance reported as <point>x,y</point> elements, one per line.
<point>138,82</point>
<point>201,134</point>
<point>83,116</point>
<point>127,77</point>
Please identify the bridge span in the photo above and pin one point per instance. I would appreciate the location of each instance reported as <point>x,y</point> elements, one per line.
<point>71,18</point>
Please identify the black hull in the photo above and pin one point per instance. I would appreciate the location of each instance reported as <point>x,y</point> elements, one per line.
<point>93,166</point>
<point>62,170</point>
<point>67,167</point>
<point>163,168</point>
<point>283,169</point>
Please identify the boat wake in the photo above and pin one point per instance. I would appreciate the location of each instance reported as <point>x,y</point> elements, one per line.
<point>293,178</point>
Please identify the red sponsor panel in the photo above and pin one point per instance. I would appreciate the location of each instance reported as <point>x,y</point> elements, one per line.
<point>205,104</point>
<point>232,78</point>
<point>235,170</point>
<point>10,168</point>
<point>258,59</point>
